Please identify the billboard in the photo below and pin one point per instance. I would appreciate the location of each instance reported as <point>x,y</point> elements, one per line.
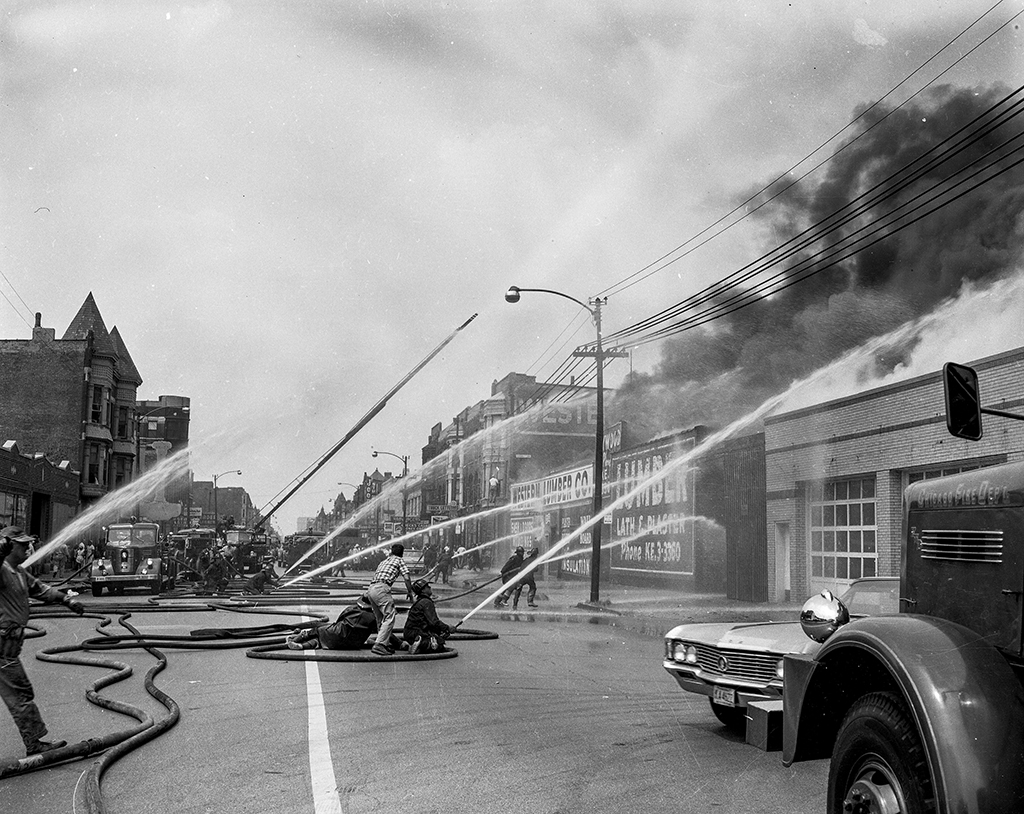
<point>654,528</point>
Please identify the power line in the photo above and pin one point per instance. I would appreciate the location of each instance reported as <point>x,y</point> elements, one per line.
<point>664,262</point>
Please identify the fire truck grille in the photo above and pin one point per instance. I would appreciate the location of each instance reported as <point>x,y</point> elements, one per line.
<point>737,664</point>
<point>962,545</point>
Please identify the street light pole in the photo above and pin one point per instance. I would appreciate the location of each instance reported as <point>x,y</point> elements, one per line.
<point>405,471</point>
<point>216,514</point>
<point>599,355</point>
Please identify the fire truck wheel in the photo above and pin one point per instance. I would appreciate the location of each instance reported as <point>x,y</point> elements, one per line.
<point>97,589</point>
<point>878,763</point>
<point>733,717</point>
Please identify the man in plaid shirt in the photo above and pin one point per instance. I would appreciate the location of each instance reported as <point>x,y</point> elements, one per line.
<point>379,594</point>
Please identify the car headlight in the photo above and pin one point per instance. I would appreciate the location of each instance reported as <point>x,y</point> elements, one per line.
<point>780,668</point>
<point>691,654</point>
<point>149,563</point>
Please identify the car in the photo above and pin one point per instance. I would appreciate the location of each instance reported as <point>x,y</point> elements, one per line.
<point>735,663</point>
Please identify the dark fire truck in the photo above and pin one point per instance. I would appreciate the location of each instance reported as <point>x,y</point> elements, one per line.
<point>923,711</point>
<point>132,558</point>
<point>250,548</point>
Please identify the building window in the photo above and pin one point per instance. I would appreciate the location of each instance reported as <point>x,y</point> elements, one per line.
<point>122,469</point>
<point>843,530</point>
<point>96,409</point>
<point>13,509</point>
<point>97,465</point>
<point>123,422</point>
<point>928,474</point>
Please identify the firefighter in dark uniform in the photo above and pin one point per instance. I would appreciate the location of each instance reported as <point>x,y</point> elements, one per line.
<point>527,582</point>
<point>350,631</point>
<point>16,586</point>
<point>259,581</point>
<point>423,631</point>
<point>511,567</point>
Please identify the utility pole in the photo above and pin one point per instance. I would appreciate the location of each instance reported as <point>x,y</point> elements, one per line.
<point>599,355</point>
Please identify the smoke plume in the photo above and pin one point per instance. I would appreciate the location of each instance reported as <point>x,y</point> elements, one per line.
<point>718,372</point>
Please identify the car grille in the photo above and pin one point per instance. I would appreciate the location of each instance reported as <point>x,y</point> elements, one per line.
<point>739,664</point>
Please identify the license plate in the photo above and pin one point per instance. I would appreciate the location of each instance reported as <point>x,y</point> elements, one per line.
<point>725,696</point>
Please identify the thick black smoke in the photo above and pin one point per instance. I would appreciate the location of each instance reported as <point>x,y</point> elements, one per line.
<point>719,372</point>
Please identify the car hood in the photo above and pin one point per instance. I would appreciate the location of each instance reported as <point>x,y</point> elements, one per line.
<point>775,637</point>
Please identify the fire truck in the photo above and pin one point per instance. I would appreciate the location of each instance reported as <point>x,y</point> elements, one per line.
<point>132,558</point>
<point>188,545</point>
<point>250,548</point>
<point>923,711</point>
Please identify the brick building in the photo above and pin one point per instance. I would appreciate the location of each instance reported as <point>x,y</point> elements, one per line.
<point>73,398</point>
<point>835,473</point>
<point>35,493</point>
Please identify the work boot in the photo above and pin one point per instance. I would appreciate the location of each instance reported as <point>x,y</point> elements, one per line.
<point>41,746</point>
<point>381,650</point>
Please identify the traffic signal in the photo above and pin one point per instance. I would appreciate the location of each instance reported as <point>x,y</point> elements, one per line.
<point>963,401</point>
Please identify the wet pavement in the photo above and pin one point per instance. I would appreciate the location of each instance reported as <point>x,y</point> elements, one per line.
<point>651,611</point>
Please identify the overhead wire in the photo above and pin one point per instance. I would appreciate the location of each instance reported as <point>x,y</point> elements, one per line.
<point>635,277</point>
<point>558,381</point>
<point>892,184</point>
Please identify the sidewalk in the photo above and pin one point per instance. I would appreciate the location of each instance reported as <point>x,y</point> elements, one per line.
<point>644,609</point>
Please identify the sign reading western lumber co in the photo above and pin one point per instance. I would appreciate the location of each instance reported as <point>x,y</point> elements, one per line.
<point>565,487</point>
<point>561,503</point>
<point>654,526</point>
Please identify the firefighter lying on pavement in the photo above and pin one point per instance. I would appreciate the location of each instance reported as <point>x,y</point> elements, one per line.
<point>16,586</point>
<point>350,631</point>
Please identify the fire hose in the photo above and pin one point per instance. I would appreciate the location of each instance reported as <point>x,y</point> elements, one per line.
<point>113,746</point>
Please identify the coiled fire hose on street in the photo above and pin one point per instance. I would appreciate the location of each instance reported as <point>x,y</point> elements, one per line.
<point>115,745</point>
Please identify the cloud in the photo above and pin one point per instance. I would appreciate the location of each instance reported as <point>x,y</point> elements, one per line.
<point>864,35</point>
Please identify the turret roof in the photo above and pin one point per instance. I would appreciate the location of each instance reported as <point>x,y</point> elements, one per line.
<point>125,366</point>
<point>88,319</point>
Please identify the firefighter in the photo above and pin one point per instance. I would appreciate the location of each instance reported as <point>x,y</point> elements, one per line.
<point>16,586</point>
<point>258,581</point>
<point>423,630</point>
<point>527,582</point>
<point>350,631</point>
<point>216,576</point>
<point>511,567</point>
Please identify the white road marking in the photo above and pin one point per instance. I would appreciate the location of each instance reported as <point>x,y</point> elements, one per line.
<point>321,766</point>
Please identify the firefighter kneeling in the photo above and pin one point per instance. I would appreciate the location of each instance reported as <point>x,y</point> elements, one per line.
<point>424,632</point>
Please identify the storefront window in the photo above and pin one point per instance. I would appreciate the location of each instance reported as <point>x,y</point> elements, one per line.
<point>13,509</point>
<point>843,531</point>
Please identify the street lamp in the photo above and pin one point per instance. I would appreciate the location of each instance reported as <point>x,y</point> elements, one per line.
<point>216,514</point>
<point>599,355</point>
<point>405,471</point>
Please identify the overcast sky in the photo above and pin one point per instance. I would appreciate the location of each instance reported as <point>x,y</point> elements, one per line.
<point>284,206</point>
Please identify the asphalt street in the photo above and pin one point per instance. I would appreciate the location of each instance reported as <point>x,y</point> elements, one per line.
<point>567,710</point>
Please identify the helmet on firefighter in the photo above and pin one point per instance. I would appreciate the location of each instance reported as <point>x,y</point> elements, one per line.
<point>421,587</point>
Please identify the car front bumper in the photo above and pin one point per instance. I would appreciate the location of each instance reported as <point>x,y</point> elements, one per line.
<point>741,694</point>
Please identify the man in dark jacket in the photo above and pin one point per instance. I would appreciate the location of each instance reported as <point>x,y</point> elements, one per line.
<point>527,582</point>
<point>16,586</point>
<point>350,631</point>
<point>508,572</point>
<point>423,630</point>
<point>259,581</point>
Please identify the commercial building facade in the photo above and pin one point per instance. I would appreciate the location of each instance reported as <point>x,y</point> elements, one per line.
<point>835,473</point>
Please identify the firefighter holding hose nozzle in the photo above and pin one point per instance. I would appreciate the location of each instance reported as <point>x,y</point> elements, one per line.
<point>16,586</point>
<point>423,630</point>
